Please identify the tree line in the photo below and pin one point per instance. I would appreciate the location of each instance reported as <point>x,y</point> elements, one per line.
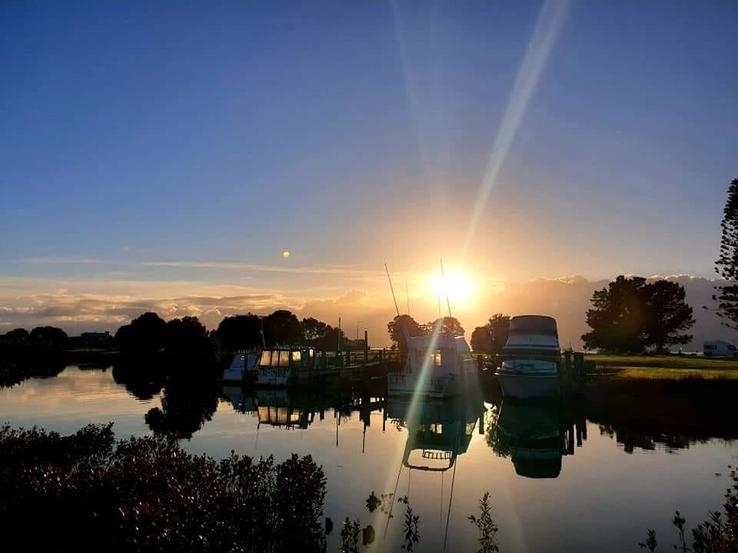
<point>149,333</point>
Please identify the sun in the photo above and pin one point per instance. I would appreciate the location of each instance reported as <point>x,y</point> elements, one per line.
<point>455,285</point>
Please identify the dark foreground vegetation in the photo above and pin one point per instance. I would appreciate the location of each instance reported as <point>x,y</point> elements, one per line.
<point>87,492</point>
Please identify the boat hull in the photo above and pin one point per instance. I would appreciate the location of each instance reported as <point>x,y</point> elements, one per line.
<point>528,387</point>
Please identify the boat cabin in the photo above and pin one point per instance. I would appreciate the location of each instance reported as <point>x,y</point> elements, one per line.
<point>532,334</point>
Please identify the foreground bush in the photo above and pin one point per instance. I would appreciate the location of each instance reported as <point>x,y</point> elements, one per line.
<point>86,492</point>
<point>718,534</point>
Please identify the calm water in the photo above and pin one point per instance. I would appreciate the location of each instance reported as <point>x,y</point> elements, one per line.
<point>558,481</point>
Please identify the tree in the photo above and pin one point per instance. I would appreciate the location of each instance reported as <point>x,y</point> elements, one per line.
<point>186,337</point>
<point>240,332</point>
<point>491,338</point>
<point>727,263</point>
<point>481,341</point>
<point>145,335</point>
<point>618,317</point>
<point>49,336</point>
<point>312,329</point>
<point>632,314</point>
<point>667,314</point>
<point>329,341</point>
<point>282,328</point>
<point>401,326</point>
<point>448,325</point>
<point>18,336</point>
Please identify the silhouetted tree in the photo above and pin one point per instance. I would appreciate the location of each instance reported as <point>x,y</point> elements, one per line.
<point>240,332</point>
<point>329,341</point>
<point>618,317</point>
<point>667,314</point>
<point>727,263</point>
<point>312,329</point>
<point>48,336</point>
<point>401,326</point>
<point>282,328</point>
<point>481,341</point>
<point>17,336</point>
<point>491,338</point>
<point>449,326</point>
<point>633,314</point>
<point>145,335</point>
<point>186,338</point>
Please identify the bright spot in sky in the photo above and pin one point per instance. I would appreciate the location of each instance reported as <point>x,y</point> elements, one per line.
<point>457,286</point>
<point>286,254</point>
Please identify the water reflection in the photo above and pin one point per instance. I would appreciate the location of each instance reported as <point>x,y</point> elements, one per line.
<point>536,435</point>
<point>438,431</point>
<point>444,454</point>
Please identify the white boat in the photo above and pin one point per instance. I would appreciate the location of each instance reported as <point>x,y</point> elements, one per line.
<point>242,363</point>
<point>531,357</point>
<point>438,365</point>
<point>281,366</point>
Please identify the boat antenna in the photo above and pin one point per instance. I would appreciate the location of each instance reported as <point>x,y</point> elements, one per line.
<point>407,297</point>
<point>443,276</point>
<point>392,289</point>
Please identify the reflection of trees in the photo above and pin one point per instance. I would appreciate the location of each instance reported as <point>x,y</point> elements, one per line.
<point>641,413</point>
<point>141,380</point>
<point>13,372</point>
<point>185,406</point>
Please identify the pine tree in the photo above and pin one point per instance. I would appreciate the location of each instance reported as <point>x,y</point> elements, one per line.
<point>727,263</point>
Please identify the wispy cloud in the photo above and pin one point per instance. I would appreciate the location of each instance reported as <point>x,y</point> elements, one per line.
<point>64,260</point>
<point>241,266</point>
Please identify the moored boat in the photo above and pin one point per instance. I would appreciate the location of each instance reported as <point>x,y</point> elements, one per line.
<point>530,358</point>
<point>437,365</point>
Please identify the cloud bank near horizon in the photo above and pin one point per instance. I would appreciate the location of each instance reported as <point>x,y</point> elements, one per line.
<point>79,305</point>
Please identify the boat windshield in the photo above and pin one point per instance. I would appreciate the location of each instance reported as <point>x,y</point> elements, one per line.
<point>533,324</point>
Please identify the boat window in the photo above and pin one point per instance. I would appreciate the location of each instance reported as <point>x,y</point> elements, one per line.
<point>437,358</point>
<point>264,359</point>
<point>284,358</point>
<point>296,356</point>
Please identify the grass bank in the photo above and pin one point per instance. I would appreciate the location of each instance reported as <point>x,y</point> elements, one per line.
<point>665,367</point>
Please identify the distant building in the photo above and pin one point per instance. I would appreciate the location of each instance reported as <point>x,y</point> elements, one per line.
<point>95,339</point>
<point>719,348</point>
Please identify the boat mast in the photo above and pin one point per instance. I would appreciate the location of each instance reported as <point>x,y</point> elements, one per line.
<point>392,289</point>
<point>443,276</point>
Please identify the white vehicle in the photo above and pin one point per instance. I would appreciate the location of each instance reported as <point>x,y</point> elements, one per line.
<point>531,356</point>
<point>438,365</point>
<point>719,348</point>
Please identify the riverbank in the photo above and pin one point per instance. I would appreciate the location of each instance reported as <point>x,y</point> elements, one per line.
<point>664,367</point>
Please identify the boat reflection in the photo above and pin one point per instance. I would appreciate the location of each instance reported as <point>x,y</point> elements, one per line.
<point>535,435</point>
<point>298,409</point>
<point>438,430</point>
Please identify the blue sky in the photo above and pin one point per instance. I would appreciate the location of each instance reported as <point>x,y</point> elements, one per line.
<point>194,142</point>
